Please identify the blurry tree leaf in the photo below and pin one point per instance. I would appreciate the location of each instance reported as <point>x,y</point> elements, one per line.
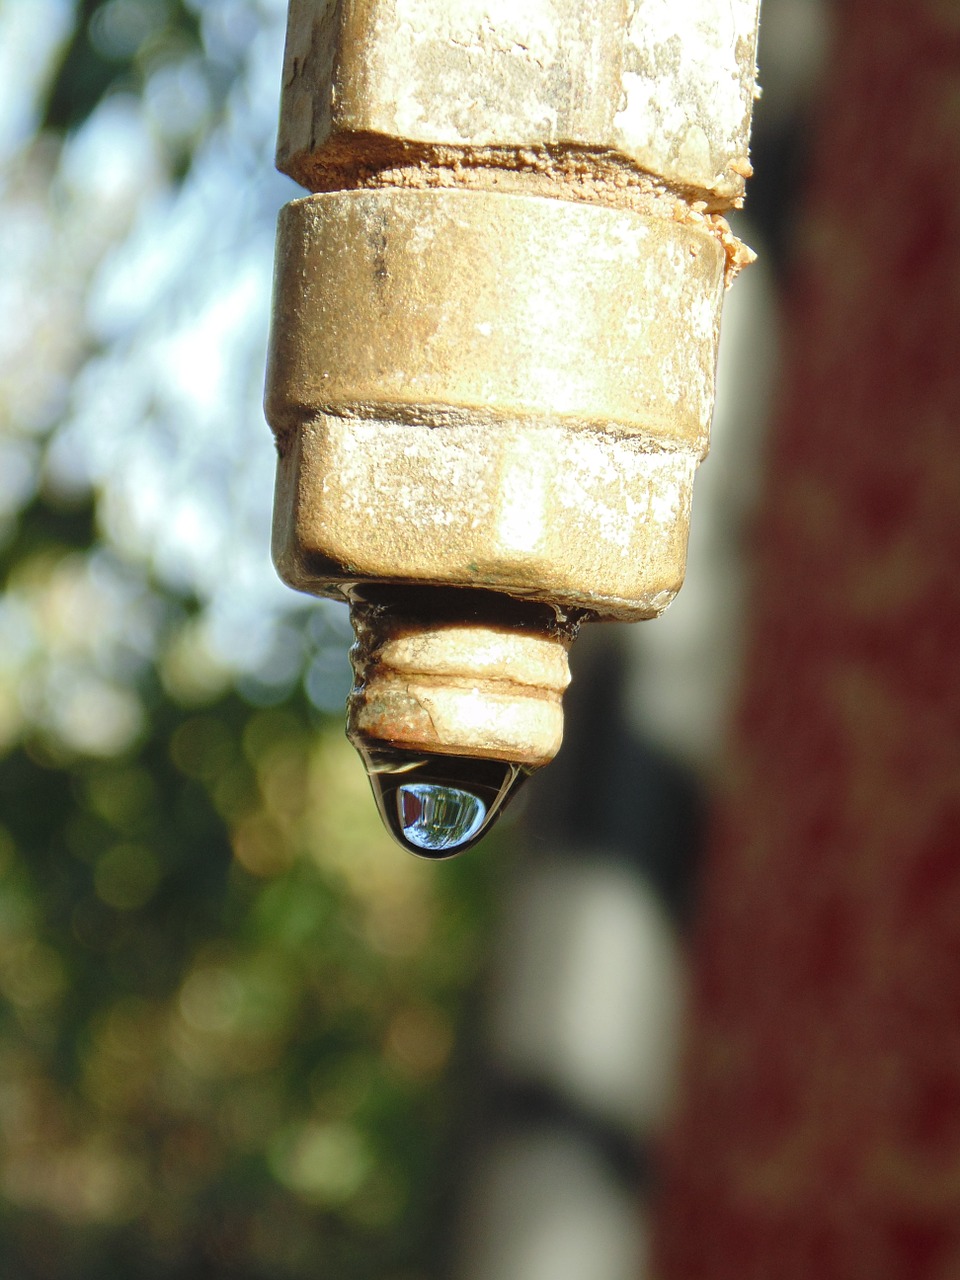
<point>111,42</point>
<point>46,526</point>
<point>229,1006</point>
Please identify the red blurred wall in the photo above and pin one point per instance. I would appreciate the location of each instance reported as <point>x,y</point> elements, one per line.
<point>819,1134</point>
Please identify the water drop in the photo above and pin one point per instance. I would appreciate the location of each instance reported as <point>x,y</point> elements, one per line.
<point>436,806</point>
<point>438,818</point>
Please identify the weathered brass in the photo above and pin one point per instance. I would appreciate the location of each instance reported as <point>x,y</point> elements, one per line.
<point>439,305</point>
<point>495,330</point>
<point>495,692</point>
<point>666,86</point>
<point>486,390</point>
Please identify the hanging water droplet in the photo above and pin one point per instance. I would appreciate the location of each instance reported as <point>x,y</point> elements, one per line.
<point>439,818</point>
<point>437,806</point>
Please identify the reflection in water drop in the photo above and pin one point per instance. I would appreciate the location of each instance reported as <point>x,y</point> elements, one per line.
<point>437,806</point>
<point>439,818</point>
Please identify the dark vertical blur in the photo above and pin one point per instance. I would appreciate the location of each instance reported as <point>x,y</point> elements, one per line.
<point>578,1046</point>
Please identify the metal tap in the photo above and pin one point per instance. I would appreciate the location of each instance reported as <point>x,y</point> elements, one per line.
<point>491,370</point>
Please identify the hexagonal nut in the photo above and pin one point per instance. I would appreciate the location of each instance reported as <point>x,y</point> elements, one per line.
<point>490,390</point>
<point>667,85</point>
<point>582,518</point>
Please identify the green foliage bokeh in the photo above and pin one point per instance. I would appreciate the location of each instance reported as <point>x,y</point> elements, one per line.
<point>228,1004</point>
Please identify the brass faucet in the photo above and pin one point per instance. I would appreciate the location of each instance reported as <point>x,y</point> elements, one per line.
<point>492,362</point>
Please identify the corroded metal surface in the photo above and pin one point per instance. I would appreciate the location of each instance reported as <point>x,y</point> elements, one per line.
<point>665,84</point>
<point>489,390</point>
<point>490,692</point>
<point>495,327</point>
<point>438,306</point>
<point>585,519</point>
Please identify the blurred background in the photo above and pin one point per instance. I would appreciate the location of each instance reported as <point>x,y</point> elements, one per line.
<point>241,1033</point>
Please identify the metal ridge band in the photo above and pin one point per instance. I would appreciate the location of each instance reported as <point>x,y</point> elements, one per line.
<point>411,304</point>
